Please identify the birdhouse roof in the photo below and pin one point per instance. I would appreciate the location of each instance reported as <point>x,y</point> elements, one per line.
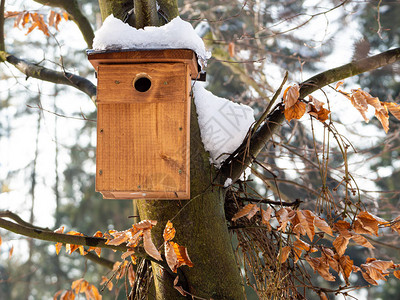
<point>131,56</point>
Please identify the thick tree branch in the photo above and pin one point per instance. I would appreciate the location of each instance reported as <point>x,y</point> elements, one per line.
<point>100,260</point>
<point>169,8</point>
<point>247,152</point>
<point>145,13</point>
<point>2,3</point>
<point>42,73</point>
<point>73,9</point>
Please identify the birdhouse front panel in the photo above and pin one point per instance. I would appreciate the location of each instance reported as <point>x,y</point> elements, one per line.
<point>143,142</point>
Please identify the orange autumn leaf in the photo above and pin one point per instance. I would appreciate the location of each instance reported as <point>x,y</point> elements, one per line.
<point>393,108</point>
<point>68,295</point>
<point>169,231</point>
<point>0,241</point>
<point>170,256</point>
<point>296,111</point>
<point>320,265</point>
<point>338,84</point>
<point>92,293</point>
<point>340,244</point>
<point>58,248</point>
<point>105,280</point>
<point>10,252</point>
<point>246,210</point>
<point>51,17</point>
<point>299,246</point>
<point>55,297</point>
<point>182,255</point>
<point>321,115</point>
<point>362,241</point>
<point>145,224</point>
<point>57,21</point>
<point>322,225</point>
<point>127,253</point>
<point>149,246</point>
<point>291,95</point>
<point>65,16</point>
<point>79,285</point>
<point>283,218</point>
<point>376,269</point>
<point>367,223</point>
<point>266,217</point>
<point>396,273</point>
<point>131,275</point>
<point>343,227</point>
<point>59,230</point>
<point>231,49</point>
<point>395,225</point>
<point>306,218</point>
<point>346,266</point>
<point>284,254</point>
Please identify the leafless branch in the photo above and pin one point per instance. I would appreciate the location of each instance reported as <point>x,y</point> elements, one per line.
<point>73,9</point>
<point>247,152</point>
<point>42,73</point>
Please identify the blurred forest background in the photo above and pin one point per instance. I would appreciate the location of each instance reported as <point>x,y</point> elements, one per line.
<point>48,132</point>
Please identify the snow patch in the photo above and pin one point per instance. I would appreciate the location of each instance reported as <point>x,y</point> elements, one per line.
<point>177,34</point>
<point>228,182</point>
<point>223,123</point>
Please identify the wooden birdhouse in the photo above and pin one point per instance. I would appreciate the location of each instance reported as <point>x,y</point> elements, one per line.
<point>143,123</point>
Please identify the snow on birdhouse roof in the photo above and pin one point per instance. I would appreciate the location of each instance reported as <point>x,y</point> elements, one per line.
<point>177,34</point>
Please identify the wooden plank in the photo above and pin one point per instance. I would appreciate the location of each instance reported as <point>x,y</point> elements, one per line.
<point>116,83</point>
<point>142,147</point>
<point>144,56</point>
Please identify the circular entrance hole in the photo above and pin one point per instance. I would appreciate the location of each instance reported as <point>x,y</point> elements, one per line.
<point>142,84</point>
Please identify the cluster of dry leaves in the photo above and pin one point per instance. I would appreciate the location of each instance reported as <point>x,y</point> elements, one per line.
<point>361,99</point>
<point>298,223</point>
<point>80,286</point>
<point>295,108</point>
<point>175,255</point>
<point>36,20</point>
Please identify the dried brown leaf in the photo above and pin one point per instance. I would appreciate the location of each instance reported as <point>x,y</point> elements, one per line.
<point>249,208</point>
<point>131,276</point>
<point>291,95</point>
<point>105,280</point>
<point>169,231</point>
<point>149,246</point>
<point>284,254</point>
<point>295,111</point>
<point>145,224</point>
<point>51,17</point>
<point>338,84</point>
<point>393,108</point>
<point>340,244</point>
<point>362,241</point>
<point>266,217</point>
<point>231,49</point>
<point>182,255</point>
<point>346,266</point>
<point>58,247</point>
<point>170,256</point>
<point>322,225</point>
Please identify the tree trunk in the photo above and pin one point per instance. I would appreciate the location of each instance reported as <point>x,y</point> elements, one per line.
<point>200,222</point>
